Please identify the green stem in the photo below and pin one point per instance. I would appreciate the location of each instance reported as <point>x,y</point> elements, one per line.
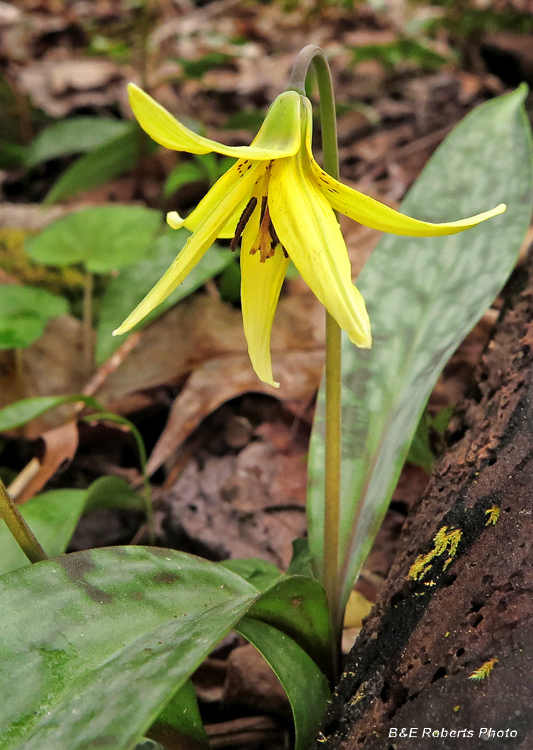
<point>314,55</point>
<point>19,528</point>
<point>88,356</point>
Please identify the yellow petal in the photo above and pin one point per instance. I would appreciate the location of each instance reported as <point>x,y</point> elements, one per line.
<point>174,220</point>
<point>372,213</point>
<point>195,247</point>
<point>260,288</point>
<point>308,229</point>
<point>278,136</point>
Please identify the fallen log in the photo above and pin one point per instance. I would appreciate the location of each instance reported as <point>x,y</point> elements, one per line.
<point>445,658</point>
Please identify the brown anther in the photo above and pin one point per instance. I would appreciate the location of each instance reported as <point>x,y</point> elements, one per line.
<point>263,208</point>
<point>273,234</point>
<point>243,221</point>
<point>285,253</point>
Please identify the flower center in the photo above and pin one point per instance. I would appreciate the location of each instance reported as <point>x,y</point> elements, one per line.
<point>267,239</point>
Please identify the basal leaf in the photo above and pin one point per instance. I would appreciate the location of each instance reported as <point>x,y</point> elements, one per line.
<point>180,723</point>
<point>423,296</point>
<point>103,238</point>
<point>98,642</point>
<point>261,573</point>
<point>297,606</point>
<point>305,685</point>
<point>125,292</point>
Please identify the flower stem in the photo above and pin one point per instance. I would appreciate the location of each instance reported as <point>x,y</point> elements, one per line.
<point>19,528</point>
<point>313,54</point>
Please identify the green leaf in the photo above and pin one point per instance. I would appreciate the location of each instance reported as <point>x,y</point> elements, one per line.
<point>423,297</point>
<point>12,155</point>
<point>420,453</point>
<point>180,723</point>
<point>230,283</point>
<point>26,409</point>
<point>52,517</point>
<point>113,492</point>
<point>297,606</point>
<point>104,238</point>
<point>300,564</point>
<point>24,313</point>
<point>420,450</point>
<point>261,573</point>
<point>98,642</point>
<point>188,171</point>
<point>132,284</point>
<point>76,135</point>
<point>147,744</point>
<point>305,685</point>
<point>398,52</point>
<point>197,68</point>
<point>110,160</point>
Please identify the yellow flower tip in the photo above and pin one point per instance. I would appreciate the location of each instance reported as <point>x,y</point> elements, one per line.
<point>366,342</point>
<point>174,220</point>
<point>273,383</point>
<point>264,374</point>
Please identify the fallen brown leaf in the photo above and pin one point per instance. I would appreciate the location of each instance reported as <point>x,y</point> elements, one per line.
<point>60,86</point>
<point>59,448</point>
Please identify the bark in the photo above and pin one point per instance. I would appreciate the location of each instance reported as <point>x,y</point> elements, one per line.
<point>411,664</point>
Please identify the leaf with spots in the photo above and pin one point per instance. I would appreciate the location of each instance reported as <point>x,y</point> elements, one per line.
<point>99,642</point>
<point>423,297</point>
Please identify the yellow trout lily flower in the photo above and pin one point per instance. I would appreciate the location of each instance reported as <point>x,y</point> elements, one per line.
<point>279,204</point>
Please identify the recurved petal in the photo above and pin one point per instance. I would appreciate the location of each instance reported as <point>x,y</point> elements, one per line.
<point>278,136</point>
<point>195,247</point>
<point>308,229</point>
<point>260,288</point>
<point>372,213</point>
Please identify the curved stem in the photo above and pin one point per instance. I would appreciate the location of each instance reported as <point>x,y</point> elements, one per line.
<point>16,524</point>
<point>332,470</point>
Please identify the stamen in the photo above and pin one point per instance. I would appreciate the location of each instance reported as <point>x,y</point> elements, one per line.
<point>285,253</point>
<point>263,207</point>
<point>243,221</point>
<point>273,234</point>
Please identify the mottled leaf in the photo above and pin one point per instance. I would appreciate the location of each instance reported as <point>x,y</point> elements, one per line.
<point>180,723</point>
<point>305,685</point>
<point>98,642</point>
<point>297,606</point>
<point>261,573</point>
<point>423,296</point>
